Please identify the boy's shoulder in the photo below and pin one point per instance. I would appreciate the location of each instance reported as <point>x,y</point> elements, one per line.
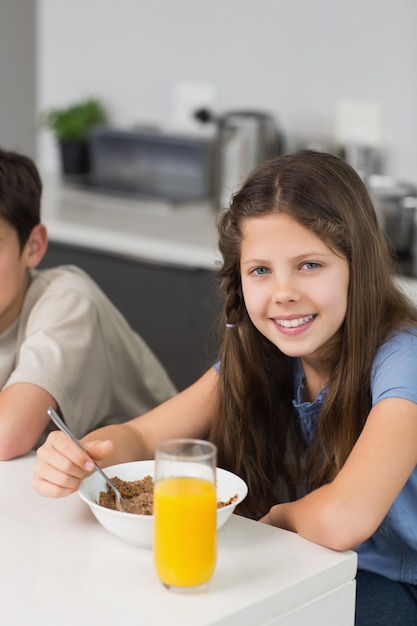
<point>62,278</point>
<point>69,287</point>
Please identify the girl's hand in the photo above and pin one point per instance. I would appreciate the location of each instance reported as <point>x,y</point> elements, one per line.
<point>61,465</point>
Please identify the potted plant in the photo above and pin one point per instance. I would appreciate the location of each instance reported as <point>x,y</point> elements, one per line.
<point>71,126</point>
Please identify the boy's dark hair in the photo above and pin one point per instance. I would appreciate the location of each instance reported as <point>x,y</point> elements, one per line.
<point>20,193</point>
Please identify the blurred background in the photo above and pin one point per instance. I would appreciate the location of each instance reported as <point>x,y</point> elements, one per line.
<point>304,62</point>
<point>195,95</point>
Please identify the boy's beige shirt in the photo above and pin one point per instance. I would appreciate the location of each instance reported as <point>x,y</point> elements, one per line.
<point>71,341</point>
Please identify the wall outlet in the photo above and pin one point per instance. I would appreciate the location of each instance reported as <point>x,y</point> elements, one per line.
<point>359,123</point>
<point>188,98</point>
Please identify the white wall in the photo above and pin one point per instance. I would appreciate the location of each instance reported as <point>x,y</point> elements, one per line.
<point>18,76</point>
<point>295,58</point>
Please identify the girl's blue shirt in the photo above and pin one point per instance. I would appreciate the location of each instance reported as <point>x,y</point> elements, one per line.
<point>392,549</point>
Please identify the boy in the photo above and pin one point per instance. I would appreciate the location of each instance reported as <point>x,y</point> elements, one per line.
<point>62,342</point>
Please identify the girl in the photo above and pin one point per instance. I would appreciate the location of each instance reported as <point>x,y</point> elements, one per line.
<point>314,399</point>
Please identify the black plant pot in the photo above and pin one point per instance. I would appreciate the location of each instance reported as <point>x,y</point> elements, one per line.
<point>74,157</point>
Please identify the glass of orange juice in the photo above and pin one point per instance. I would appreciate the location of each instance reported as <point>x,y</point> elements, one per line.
<point>185,505</point>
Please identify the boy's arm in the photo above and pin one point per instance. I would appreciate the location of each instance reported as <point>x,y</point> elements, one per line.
<point>23,418</point>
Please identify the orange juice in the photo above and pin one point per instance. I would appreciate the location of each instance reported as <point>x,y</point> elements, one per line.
<point>185,531</point>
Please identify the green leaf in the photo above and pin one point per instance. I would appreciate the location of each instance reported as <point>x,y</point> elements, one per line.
<point>74,122</point>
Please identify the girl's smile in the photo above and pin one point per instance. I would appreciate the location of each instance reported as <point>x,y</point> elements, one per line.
<point>295,287</point>
<point>292,325</point>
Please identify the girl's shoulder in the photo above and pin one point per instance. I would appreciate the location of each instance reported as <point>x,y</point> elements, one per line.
<point>395,366</point>
<point>405,338</point>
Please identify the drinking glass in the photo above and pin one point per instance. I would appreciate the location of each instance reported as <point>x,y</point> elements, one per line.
<point>185,509</point>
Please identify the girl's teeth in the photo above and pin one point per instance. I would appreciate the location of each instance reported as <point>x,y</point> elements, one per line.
<point>295,322</point>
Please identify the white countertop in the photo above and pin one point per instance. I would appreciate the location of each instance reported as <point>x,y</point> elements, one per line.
<point>59,566</point>
<point>183,235</point>
<point>409,286</point>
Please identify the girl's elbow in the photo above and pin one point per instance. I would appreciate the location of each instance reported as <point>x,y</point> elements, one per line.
<point>339,531</point>
<point>341,541</point>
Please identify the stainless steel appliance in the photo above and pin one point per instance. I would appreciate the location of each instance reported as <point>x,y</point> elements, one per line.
<point>396,204</point>
<point>150,164</point>
<point>245,140</point>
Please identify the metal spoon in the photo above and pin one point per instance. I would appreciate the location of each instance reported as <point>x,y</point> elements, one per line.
<point>62,426</point>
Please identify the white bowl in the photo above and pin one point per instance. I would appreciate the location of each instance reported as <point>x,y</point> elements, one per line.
<point>138,529</point>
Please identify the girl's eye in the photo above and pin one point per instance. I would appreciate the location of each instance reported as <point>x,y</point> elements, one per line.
<point>260,271</point>
<point>310,265</point>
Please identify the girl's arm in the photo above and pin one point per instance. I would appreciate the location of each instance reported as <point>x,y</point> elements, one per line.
<point>61,464</point>
<point>347,511</point>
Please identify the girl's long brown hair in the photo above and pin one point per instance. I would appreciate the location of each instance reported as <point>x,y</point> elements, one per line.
<point>255,431</point>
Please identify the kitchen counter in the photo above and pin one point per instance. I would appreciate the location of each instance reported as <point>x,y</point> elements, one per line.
<point>409,286</point>
<point>59,566</point>
<point>182,235</point>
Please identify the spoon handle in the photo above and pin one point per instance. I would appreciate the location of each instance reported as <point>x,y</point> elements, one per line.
<point>62,426</point>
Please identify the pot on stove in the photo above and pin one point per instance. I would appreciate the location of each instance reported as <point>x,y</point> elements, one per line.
<point>396,203</point>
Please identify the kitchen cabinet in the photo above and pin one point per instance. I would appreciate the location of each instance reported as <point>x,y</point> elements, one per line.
<point>156,261</point>
<point>174,309</point>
